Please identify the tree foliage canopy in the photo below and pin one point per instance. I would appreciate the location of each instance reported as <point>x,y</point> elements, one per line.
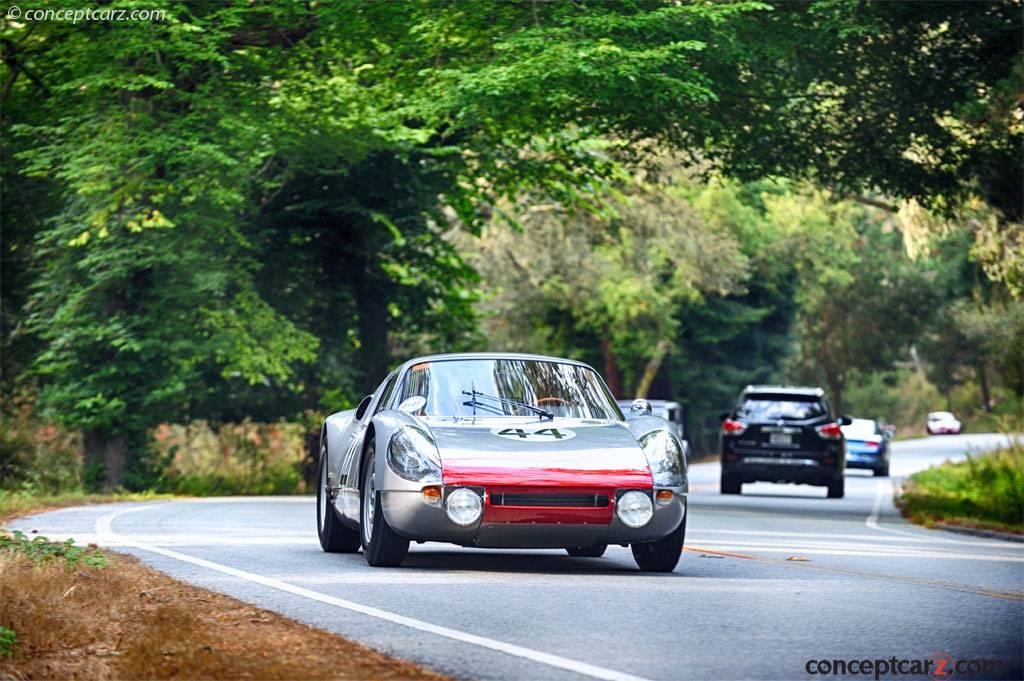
<point>242,208</point>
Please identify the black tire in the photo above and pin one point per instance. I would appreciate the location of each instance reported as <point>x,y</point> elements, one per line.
<point>334,536</point>
<point>882,471</point>
<point>730,485</point>
<point>837,488</point>
<point>382,547</point>
<point>662,555</point>
<point>595,551</point>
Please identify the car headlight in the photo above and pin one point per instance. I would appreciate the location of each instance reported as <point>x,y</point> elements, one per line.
<point>634,508</point>
<point>463,506</point>
<point>665,457</point>
<point>413,455</point>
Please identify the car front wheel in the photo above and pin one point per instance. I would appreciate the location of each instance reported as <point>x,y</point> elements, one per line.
<point>381,545</point>
<point>730,485</point>
<point>662,555</point>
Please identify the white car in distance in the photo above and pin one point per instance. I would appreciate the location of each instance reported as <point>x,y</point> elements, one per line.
<point>943,423</point>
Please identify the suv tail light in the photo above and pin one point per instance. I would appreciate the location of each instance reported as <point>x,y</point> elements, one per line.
<point>730,427</point>
<point>874,443</point>
<point>830,431</point>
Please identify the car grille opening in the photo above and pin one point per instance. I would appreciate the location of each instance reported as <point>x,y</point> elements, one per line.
<point>550,500</point>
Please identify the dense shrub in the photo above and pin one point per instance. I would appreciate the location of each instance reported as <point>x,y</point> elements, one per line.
<point>40,459</point>
<point>985,489</point>
<point>236,458</point>
<point>35,456</point>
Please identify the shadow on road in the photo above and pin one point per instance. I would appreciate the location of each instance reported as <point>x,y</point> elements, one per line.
<point>500,561</point>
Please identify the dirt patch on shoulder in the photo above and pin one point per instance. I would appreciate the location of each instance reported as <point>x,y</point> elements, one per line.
<point>127,621</point>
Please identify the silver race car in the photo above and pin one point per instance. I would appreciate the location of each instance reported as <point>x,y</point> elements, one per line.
<point>500,451</point>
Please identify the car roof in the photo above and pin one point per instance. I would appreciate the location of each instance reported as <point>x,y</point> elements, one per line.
<point>784,389</point>
<point>449,356</point>
<point>941,414</point>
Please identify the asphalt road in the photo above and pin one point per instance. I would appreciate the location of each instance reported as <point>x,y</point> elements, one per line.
<point>770,581</point>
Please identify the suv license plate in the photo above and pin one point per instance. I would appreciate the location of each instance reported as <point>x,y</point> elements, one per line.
<point>780,439</point>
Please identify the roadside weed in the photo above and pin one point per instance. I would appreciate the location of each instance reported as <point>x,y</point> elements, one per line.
<point>41,550</point>
<point>8,640</point>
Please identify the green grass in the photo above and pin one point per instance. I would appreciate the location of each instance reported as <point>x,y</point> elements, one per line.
<point>984,491</point>
<point>15,504</point>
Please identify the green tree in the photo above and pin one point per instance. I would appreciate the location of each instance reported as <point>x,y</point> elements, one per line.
<point>144,276</point>
<point>612,285</point>
<point>862,300</point>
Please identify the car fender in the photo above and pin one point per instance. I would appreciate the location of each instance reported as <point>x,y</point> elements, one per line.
<point>384,426</point>
<point>648,424</point>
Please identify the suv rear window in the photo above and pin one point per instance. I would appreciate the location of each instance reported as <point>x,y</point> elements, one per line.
<point>775,407</point>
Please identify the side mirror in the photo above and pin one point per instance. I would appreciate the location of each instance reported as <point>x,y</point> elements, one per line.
<point>639,408</point>
<point>363,406</point>
<point>845,420</point>
<point>412,405</point>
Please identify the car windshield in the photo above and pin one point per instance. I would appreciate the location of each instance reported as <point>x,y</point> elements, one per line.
<point>509,387</point>
<point>775,407</point>
<point>940,416</point>
<point>860,429</point>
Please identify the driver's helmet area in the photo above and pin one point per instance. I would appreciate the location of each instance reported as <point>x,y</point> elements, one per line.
<point>554,405</point>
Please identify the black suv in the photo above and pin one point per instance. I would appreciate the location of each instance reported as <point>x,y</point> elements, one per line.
<point>783,434</point>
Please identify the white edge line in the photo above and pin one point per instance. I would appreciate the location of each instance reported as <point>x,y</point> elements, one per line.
<point>103,529</point>
<point>881,487</point>
<point>872,520</point>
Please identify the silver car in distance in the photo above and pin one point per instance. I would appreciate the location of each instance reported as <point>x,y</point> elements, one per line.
<point>500,451</point>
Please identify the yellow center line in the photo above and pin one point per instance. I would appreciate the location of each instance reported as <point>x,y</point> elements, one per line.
<point>918,581</point>
<point>697,549</point>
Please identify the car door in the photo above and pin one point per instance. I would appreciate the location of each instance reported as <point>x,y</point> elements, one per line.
<point>348,480</point>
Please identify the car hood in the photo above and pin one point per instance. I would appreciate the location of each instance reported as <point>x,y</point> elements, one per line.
<point>530,452</point>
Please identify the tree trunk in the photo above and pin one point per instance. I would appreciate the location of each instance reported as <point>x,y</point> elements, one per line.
<point>651,370</point>
<point>106,453</point>
<point>310,466</point>
<point>986,401</point>
<point>612,374</point>
<point>836,382</point>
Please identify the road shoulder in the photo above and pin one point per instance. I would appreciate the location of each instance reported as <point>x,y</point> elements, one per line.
<point>106,615</point>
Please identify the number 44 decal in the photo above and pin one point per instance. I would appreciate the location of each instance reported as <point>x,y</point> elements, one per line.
<point>544,434</point>
<point>522,434</point>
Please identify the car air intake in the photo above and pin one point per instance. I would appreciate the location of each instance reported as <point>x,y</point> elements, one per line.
<point>549,500</point>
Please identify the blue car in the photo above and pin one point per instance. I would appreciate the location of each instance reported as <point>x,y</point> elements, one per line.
<point>867,446</point>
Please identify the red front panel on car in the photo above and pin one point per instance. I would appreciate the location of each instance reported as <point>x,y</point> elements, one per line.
<point>547,495</point>
<point>549,505</point>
